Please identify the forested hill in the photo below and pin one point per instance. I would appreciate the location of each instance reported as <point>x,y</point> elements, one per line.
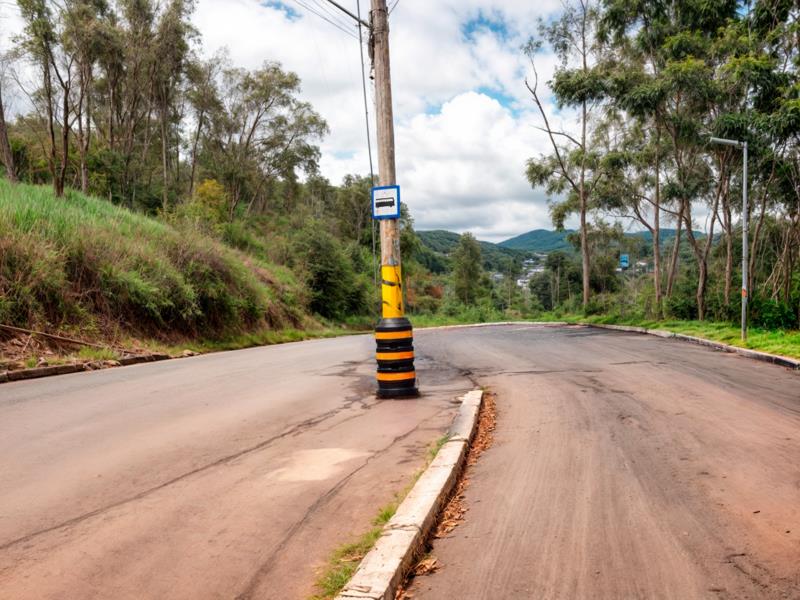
<point>444,242</point>
<point>543,240</point>
<point>540,240</point>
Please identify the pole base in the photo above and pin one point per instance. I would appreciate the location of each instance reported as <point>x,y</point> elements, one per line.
<point>396,376</point>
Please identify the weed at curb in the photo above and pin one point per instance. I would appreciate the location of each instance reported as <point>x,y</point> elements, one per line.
<point>345,560</point>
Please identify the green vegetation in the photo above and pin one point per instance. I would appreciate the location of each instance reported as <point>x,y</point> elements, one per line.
<point>81,263</point>
<point>443,243</point>
<point>649,84</point>
<point>345,560</point>
<point>540,240</point>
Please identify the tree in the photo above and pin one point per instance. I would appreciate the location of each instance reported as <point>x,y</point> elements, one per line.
<point>263,133</point>
<point>573,168</point>
<point>6,155</point>
<point>467,269</point>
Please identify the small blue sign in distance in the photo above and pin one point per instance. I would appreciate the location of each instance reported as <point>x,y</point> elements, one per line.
<point>624,261</point>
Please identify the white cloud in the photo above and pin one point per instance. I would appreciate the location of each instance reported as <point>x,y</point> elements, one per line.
<point>460,153</point>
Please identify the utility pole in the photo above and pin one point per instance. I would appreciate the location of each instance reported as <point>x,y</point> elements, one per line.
<point>745,227</point>
<point>393,334</point>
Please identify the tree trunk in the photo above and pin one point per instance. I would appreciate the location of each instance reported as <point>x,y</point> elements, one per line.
<point>700,297</point>
<point>62,174</point>
<point>6,155</point>
<point>657,229</point>
<point>676,246</point>
<point>585,262</point>
<point>164,159</point>
<point>51,129</point>
<point>194,152</point>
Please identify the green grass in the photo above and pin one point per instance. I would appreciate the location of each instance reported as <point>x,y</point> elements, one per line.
<point>89,353</point>
<point>82,263</point>
<point>345,559</point>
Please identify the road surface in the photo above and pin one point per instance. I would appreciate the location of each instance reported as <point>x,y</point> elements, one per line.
<point>230,475</point>
<point>624,466</point>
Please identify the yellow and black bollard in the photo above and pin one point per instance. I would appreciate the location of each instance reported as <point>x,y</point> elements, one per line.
<point>394,337</point>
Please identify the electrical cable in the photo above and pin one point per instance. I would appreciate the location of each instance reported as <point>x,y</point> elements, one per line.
<point>334,15</point>
<point>323,17</point>
<point>369,140</point>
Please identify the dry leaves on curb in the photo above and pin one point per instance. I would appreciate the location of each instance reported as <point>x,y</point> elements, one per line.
<point>454,511</point>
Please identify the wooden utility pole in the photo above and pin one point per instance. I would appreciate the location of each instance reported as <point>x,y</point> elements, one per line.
<point>390,233</point>
<point>394,336</point>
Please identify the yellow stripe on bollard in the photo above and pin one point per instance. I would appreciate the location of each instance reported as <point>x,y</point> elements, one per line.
<point>393,335</point>
<point>396,376</point>
<point>394,355</point>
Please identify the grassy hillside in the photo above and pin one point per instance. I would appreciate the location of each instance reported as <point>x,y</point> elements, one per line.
<point>85,265</point>
<point>444,242</point>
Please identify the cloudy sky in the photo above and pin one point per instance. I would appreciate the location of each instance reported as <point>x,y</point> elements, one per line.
<point>464,122</point>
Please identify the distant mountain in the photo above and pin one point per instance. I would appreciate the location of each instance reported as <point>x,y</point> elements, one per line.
<point>544,240</point>
<point>540,240</point>
<point>444,242</point>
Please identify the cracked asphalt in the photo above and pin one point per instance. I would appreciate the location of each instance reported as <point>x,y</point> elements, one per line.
<point>230,475</point>
<point>624,466</point>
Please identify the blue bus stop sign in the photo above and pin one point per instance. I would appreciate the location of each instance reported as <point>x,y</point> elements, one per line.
<point>386,202</point>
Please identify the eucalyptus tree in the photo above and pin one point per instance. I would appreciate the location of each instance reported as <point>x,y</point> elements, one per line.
<point>263,132</point>
<point>6,154</point>
<point>573,169</point>
<point>83,40</point>
<point>38,43</point>
<point>678,90</point>
<point>171,53</point>
<point>467,269</point>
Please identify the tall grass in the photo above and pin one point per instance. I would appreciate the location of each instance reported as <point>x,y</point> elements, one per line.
<point>81,261</point>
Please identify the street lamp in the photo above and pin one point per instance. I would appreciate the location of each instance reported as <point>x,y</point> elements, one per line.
<point>745,226</point>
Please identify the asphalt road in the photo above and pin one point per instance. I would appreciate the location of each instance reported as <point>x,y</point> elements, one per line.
<point>624,466</point>
<point>230,475</point>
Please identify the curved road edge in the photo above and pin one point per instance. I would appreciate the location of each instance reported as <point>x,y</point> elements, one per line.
<point>384,567</point>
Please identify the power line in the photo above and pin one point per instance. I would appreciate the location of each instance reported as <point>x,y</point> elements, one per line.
<point>369,141</point>
<point>396,2</point>
<point>332,14</point>
<point>323,17</point>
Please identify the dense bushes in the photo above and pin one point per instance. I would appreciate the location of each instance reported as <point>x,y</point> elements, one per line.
<point>337,290</point>
<point>82,262</point>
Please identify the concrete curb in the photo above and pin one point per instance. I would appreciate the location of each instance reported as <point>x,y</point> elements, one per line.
<point>775,359</point>
<point>384,567</point>
<point>37,372</point>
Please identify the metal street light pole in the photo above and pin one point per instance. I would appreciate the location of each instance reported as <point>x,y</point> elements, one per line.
<point>745,228</point>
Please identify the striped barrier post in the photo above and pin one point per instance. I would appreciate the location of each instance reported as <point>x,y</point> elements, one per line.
<point>394,339</point>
